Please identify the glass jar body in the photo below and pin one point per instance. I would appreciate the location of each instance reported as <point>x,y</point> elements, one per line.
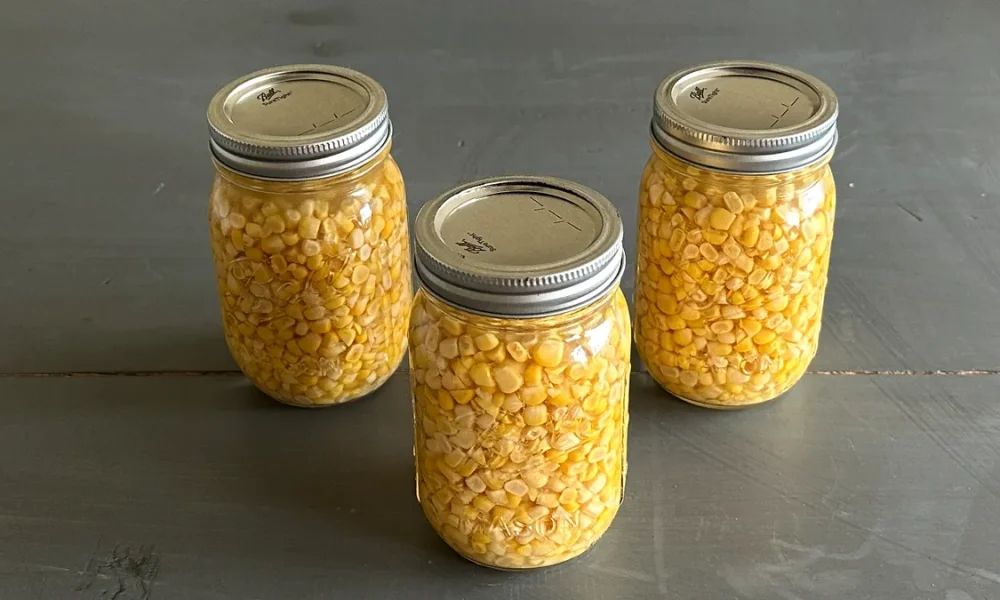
<point>314,280</point>
<point>519,428</point>
<point>730,278</point>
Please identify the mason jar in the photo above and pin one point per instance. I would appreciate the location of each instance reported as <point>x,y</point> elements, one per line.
<point>736,211</point>
<point>308,224</point>
<point>519,363</point>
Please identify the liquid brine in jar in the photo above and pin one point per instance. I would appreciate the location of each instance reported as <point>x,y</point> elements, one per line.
<point>519,363</point>
<point>308,223</point>
<point>736,212</point>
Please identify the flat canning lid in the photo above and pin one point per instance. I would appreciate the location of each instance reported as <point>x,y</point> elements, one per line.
<point>519,246</point>
<point>299,122</point>
<point>745,117</point>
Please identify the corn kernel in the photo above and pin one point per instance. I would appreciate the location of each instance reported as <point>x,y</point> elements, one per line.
<point>517,351</point>
<point>666,304</point>
<point>462,396</point>
<point>719,349</point>
<point>733,202</point>
<point>778,304</point>
<point>716,237</point>
<point>549,353</point>
<point>721,218</point>
<point>482,375</point>
<point>676,322</point>
<point>508,379</point>
<point>765,336</point>
<point>745,263</point>
<point>750,236</point>
<point>487,341</point>
<point>535,415</point>
<point>533,374</point>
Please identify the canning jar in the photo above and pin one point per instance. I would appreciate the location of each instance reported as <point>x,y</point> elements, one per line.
<point>519,362</point>
<point>309,235</point>
<point>736,210</point>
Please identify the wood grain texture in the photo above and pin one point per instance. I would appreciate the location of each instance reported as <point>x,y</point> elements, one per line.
<point>104,256</point>
<point>202,489</point>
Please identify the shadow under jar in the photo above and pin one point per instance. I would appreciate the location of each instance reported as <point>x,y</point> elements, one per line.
<point>309,235</point>
<point>519,361</point>
<point>736,211</point>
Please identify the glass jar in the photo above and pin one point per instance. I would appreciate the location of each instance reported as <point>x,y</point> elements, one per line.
<point>519,362</point>
<point>308,224</point>
<point>736,211</point>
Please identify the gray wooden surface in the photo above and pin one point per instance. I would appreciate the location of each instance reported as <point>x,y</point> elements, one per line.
<point>193,486</point>
<point>199,488</point>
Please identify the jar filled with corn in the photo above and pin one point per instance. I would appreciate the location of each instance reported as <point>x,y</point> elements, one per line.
<point>519,362</point>
<point>309,235</point>
<point>736,210</point>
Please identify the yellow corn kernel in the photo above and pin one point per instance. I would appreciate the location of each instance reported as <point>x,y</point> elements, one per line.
<point>733,202</point>
<point>533,375</point>
<point>719,349</point>
<point>448,348</point>
<point>549,353</point>
<point>462,396</point>
<point>517,351</point>
<point>753,299</point>
<point>497,355</point>
<point>503,514</point>
<point>445,399</point>
<point>482,375</point>
<point>507,378</point>
<point>721,218</point>
<point>765,336</point>
<point>778,304</point>
<point>513,500</point>
<point>676,322</point>
<point>467,468</point>
<point>744,263</point>
<point>667,304</point>
<point>689,313</point>
<point>771,263</point>
<point>451,326</point>
<point>466,345</point>
<point>744,345</point>
<point>750,236</point>
<point>716,237</point>
<point>532,395</point>
<point>310,342</point>
<point>562,398</point>
<point>751,326</point>
<point>482,503</point>
<point>535,415</point>
<point>695,200</point>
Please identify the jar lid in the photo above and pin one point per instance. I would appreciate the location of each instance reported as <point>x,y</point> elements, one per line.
<point>519,246</point>
<point>745,117</point>
<point>299,122</point>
